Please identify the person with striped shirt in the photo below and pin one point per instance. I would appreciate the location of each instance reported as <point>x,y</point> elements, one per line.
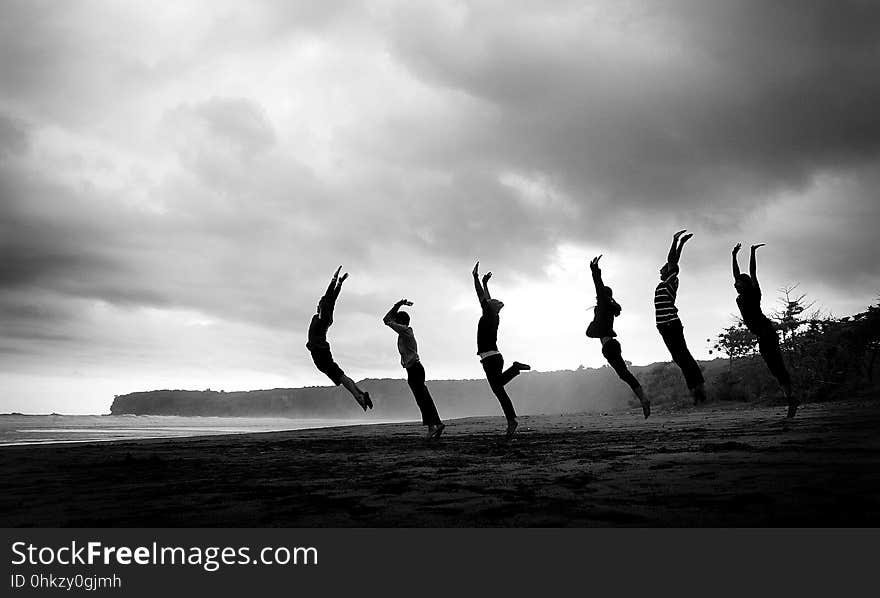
<point>668,323</point>
<point>602,327</point>
<point>398,321</point>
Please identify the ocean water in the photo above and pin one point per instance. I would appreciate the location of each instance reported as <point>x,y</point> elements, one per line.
<point>48,429</point>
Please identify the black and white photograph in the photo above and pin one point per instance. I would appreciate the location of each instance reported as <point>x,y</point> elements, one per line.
<point>439,264</point>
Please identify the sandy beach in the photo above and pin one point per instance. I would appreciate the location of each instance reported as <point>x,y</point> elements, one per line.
<point>716,466</point>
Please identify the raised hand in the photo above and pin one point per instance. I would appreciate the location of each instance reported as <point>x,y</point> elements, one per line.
<point>486,277</point>
<point>736,248</point>
<point>594,263</point>
<point>338,270</point>
<point>685,238</point>
<point>754,247</point>
<point>406,302</point>
<point>476,269</point>
<point>343,277</point>
<point>679,233</point>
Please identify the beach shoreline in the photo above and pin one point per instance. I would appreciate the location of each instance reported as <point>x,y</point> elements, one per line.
<point>739,465</point>
<point>22,430</point>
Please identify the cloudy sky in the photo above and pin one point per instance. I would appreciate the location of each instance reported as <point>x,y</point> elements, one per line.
<point>178,180</point>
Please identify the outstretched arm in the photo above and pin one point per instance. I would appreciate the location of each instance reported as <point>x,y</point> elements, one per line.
<point>684,240</point>
<point>674,252</point>
<point>331,288</point>
<point>486,292</point>
<point>389,318</point>
<point>481,293</point>
<point>597,275</point>
<point>753,267</point>
<point>339,285</point>
<point>736,272</point>
<point>328,301</point>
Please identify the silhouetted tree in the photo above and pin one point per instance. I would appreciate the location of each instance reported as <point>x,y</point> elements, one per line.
<point>789,318</point>
<point>735,341</point>
<point>871,326</point>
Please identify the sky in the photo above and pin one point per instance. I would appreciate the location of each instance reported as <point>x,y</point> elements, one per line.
<point>179,180</point>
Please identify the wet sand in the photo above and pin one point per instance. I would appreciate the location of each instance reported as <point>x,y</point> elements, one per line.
<point>715,466</point>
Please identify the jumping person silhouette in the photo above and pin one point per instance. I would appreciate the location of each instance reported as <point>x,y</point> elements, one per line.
<point>668,323</point>
<point>487,349</point>
<point>398,321</point>
<point>749,301</point>
<point>320,348</point>
<point>602,327</point>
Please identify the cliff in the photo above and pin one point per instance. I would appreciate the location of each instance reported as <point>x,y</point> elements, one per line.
<point>564,391</point>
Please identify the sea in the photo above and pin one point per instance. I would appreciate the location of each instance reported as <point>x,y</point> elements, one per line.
<point>17,429</point>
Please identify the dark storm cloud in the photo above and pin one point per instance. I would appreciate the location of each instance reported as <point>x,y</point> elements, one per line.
<point>833,249</point>
<point>58,246</point>
<point>34,324</point>
<point>46,234</point>
<point>13,136</point>
<point>471,216</point>
<point>630,111</point>
<point>227,243</point>
<point>675,102</point>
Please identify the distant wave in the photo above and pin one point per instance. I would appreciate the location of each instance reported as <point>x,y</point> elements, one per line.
<point>23,430</point>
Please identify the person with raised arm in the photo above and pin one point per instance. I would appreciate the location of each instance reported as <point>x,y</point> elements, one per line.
<point>602,327</point>
<point>748,299</point>
<point>398,321</point>
<point>487,349</point>
<point>319,348</point>
<point>668,323</point>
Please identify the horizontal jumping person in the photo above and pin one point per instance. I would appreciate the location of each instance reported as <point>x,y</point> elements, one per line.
<point>320,348</point>
<point>748,299</point>
<point>602,327</point>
